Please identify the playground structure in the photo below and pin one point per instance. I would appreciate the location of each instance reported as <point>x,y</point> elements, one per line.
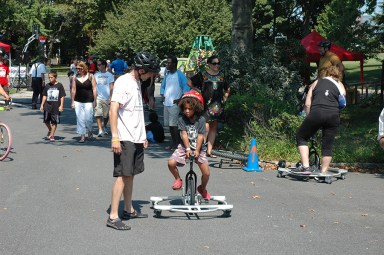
<point>202,48</point>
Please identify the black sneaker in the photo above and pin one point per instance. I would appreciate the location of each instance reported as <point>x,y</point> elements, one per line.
<point>302,170</point>
<point>135,215</point>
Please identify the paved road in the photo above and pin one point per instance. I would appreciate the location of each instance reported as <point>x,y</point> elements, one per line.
<point>55,197</point>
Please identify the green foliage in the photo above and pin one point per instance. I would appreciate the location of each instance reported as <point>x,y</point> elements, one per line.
<point>340,22</point>
<point>163,27</point>
<point>264,101</point>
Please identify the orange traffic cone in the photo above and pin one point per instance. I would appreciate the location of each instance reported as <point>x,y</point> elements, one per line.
<point>253,159</point>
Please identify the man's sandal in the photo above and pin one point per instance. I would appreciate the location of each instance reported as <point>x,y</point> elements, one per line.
<point>117,224</point>
<point>134,215</point>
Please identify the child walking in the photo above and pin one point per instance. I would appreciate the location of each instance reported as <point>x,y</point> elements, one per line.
<point>52,104</point>
<point>192,128</point>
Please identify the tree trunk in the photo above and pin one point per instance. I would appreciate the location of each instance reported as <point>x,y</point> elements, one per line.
<point>242,30</point>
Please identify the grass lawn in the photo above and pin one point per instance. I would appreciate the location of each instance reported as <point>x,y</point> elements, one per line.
<point>372,70</point>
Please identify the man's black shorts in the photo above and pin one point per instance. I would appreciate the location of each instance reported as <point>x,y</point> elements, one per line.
<point>131,160</point>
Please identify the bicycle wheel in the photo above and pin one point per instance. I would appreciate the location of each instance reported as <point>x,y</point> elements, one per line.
<point>230,155</point>
<point>5,141</point>
<point>314,159</point>
<point>191,191</point>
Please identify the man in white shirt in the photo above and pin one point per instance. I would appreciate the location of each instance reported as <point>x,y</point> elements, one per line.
<point>104,87</point>
<point>129,139</point>
<point>37,75</point>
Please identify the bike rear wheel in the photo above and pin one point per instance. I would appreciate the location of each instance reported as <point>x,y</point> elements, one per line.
<point>191,191</point>
<point>5,141</point>
<point>230,155</point>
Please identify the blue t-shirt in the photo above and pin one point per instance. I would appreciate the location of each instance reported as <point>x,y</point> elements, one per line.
<point>118,66</point>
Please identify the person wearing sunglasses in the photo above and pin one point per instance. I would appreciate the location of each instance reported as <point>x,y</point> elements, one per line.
<point>84,100</point>
<point>215,90</point>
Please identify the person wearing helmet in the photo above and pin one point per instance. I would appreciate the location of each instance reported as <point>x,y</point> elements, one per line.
<point>192,128</point>
<point>128,135</point>
<point>172,88</point>
<point>328,58</point>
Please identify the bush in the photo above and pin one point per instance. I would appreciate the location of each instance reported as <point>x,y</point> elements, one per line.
<point>263,101</point>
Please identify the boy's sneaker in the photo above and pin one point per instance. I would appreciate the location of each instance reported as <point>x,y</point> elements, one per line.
<point>302,170</point>
<point>52,138</point>
<point>204,193</point>
<point>48,135</point>
<point>100,134</point>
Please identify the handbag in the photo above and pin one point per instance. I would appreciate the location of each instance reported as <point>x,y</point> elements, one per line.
<point>342,100</point>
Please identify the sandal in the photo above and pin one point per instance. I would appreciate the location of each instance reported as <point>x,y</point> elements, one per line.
<point>117,224</point>
<point>134,215</point>
<point>177,184</point>
<point>82,139</point>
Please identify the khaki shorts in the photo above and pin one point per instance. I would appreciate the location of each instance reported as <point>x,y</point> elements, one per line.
<point>102,108</point>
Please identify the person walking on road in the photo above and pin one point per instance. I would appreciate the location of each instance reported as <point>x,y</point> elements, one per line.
<point>37,74</point>
<point>104,87</point>
<point>118,66</point>
<point>215,90</point>
<point>84,100</point>
<point>128,136</point>
<point>173,86</point>
<point>4,81</point>
<point>52,104</point>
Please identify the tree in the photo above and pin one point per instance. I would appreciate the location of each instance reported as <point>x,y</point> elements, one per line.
<point>242,30</point>
<point>341,23</point>
<point>162,26</point>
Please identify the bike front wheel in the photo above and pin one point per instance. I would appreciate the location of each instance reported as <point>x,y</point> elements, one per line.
<point>5,141</point>
<point>191,191</point>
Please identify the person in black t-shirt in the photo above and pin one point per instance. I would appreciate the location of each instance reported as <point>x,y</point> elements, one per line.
<point>52,104</point>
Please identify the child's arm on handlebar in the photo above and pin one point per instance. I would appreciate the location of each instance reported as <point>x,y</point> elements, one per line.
<point>200,139</point>
<point>184,138</point>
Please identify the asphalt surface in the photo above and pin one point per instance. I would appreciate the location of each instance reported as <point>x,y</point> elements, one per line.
<point>55,198</point>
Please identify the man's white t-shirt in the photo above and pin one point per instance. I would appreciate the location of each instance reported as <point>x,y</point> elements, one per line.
<point>102,81</point>
<point>37,69</point>
<point>130,121</point>
<point>172,89</point>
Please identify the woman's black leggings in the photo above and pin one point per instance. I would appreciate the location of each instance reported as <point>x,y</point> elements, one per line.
<point>328,121</point>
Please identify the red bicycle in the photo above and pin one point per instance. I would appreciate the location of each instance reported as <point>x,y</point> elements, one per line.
<point>5,141</point>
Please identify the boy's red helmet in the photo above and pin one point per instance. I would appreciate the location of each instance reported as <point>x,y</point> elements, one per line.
<point>194,94</point>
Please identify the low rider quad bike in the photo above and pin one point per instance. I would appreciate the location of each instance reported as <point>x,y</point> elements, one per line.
<point>314,160</point>
<point>192,202</point>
